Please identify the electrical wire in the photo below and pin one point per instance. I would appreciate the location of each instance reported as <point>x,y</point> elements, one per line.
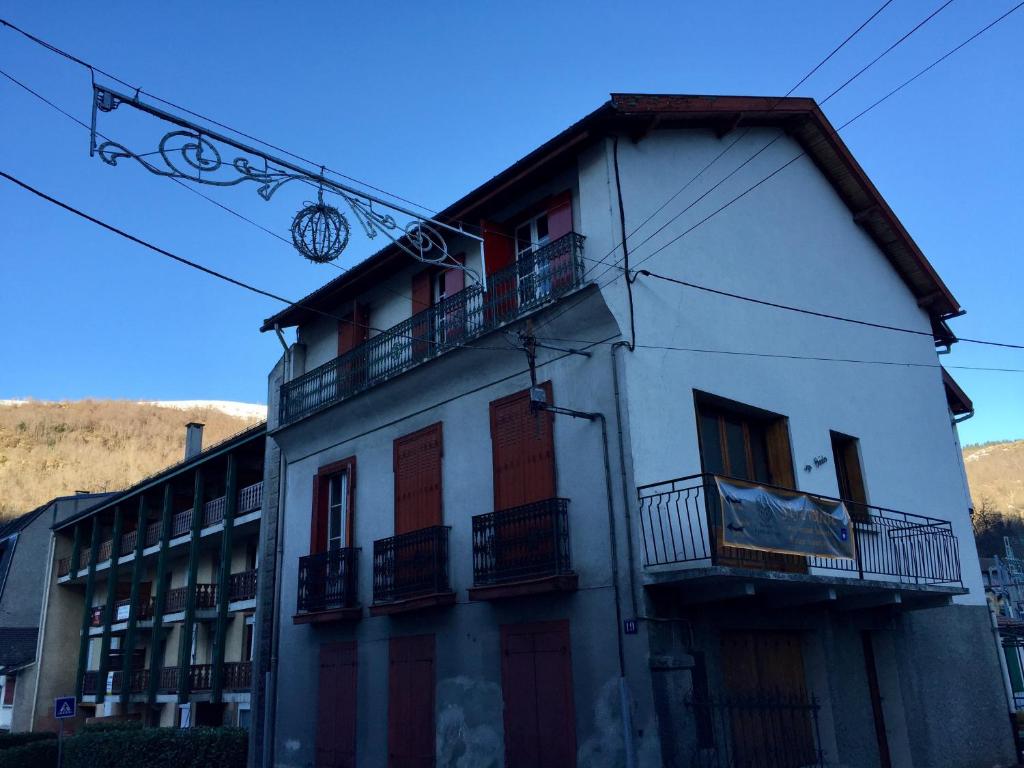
<point>773,355</point>
<point>220,275</point>
<point>778,170</point>
<point>813,313</point>
<point>772,141</point>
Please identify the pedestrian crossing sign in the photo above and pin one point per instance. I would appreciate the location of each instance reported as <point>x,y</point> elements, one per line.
<point>64,707</point>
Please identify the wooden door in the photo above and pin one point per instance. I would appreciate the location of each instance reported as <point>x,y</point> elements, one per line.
<point>536,680</point>
<point>336,706</point>
<point>770,719</point>
<point>850,476</point>
<point>411,702</point>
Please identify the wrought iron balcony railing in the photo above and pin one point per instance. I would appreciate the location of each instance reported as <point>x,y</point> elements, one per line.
<point>411,565</point>
<point>152,534</point>
<point>63,566</point>
<point>539,277</point>
<point>181,523</point>
<point>680,524</point>
<point>138,680</point>
<point>104,551</point>
<point>250,498</point>
<point>128,541</point>
<point>206,598</point>
<point>242,586</point>
<point>89,682</point>
<point>238,676</point>
<point>526,542</point>
<point>328,580</point>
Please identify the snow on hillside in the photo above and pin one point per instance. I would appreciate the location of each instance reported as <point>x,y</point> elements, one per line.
<point>241,410</point>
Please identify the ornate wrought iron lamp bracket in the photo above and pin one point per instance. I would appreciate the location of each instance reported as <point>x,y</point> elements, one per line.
<point>320,231</point>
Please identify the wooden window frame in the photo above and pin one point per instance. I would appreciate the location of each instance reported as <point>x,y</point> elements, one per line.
<point>318,533</point>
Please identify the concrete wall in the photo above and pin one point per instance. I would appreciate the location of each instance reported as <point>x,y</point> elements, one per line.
<point>456,391</point>
<point>795,243</point>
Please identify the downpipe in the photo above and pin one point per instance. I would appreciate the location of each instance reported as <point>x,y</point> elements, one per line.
<point>629,741</point>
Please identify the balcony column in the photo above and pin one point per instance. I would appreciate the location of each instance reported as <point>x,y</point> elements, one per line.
<point>156,654</point>
<point>185,644</point>
<point>108,609</point>
<point>230,507</point>
<point>90,584</point>
<point>76,551</point>
<point>133,605</point>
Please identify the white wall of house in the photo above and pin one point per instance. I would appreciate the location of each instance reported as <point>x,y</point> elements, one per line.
<point>791,241</point>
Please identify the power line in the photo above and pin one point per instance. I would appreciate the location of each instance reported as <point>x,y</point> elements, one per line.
<point>813,313</point>
<point>220,275</point>
<point>181,183</point>
<point>836,130</point>
<point>772,141</point>
<point>778,170</point>
<point>774,355</point>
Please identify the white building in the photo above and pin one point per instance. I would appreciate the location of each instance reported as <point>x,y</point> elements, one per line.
<point>461,579</point>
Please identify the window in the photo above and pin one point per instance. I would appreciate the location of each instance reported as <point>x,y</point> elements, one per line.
<point>337,509</point>
<point>333,503</point>
<point>10,682</point>
<point>522,451</point>
<point>534,274</point>
<point>744,442</point>
<point>247,638</point>
<point>849,475</point>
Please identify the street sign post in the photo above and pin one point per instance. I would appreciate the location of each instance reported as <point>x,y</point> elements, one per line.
<point>64,707</point>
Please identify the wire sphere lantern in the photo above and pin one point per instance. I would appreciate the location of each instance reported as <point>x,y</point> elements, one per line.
<point>320,232</point>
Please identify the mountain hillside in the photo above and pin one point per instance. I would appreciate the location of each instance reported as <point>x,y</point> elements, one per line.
<point>52,449</point>
<point>995,472</point>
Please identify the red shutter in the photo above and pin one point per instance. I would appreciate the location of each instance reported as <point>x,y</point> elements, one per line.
<point>9,685</point>
<point>522,450</point>
<point>353,329</point>
<point>421,294</point>
<point>318,525</point>
<point>336,706</point>
<point>422,298</point>
<point>417,466</point>
<point>536,681</point>
<point>498,250</point>
<point>411,684</point>
<point>560,215</point>
<point>455,279</point>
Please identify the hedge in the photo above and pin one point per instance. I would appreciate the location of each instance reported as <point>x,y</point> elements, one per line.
<point>11,740</point>
<point>128,747</point>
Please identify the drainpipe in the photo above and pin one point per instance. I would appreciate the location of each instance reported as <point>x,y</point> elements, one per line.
<point>622,473</point>
<point>270,687</point>
<point>624,703</point>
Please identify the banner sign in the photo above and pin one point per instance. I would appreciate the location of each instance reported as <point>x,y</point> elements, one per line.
<point>771,520</point>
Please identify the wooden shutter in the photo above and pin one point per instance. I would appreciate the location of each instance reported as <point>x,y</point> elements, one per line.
<point>417,467</point>
<point>522,451</point>
<point>849,476</point>
<point>321,482</point>
<point>536,680</point>
<point>336,706</point>
<point>411,702</point>
<point>353,329</point>
<point>560,215</point>
<point>10,682</point>
<point>780,455</point>
<point>498,249</point>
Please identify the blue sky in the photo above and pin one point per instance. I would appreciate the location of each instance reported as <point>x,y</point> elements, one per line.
<point>428,100</point>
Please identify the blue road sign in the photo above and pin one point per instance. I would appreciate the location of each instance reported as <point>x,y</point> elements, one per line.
<point>64,707</point>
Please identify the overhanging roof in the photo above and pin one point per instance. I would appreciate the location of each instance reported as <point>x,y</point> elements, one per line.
<point>217,449</point>
<point>635,115</point>
<point>959,403</point>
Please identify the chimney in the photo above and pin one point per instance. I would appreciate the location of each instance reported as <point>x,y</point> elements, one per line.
<point>193,439</point>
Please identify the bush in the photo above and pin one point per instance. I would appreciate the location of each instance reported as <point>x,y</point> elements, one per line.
<point>35,754</point>
<point>11,740</point>
<point>102,726</point>
<point>112,747</point>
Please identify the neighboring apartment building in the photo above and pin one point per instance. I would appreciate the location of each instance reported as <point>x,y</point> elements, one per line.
<point>1004,587</point>
<point>24,571</point>
<point>473,570</point>
<point>150,605</point>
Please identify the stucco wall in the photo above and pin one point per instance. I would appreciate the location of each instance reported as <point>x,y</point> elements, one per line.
<point>794,242</point>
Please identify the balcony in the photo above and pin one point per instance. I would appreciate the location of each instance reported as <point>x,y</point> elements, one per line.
<point>521,551</point>
<point>238,676</point>
<point>535,280</point>
<point>123,610</point>
<point>410,571</point>
<point>89,683</point>
<point>242,586</point>
<point>138,681</point>
<point>328,587</point>
<point>206,598</point>
<point>901,559</point>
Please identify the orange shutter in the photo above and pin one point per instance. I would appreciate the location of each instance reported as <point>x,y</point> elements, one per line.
<point>523,451</point>
<point>417,466</point>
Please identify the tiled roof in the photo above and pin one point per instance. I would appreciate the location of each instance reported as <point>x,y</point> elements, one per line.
<point>17,645</point>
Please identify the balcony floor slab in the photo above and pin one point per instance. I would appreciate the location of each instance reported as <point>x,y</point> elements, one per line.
<point>419,603</point>
<point>718,583</point>
<point>563,582</point>
<point>324,617</point>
